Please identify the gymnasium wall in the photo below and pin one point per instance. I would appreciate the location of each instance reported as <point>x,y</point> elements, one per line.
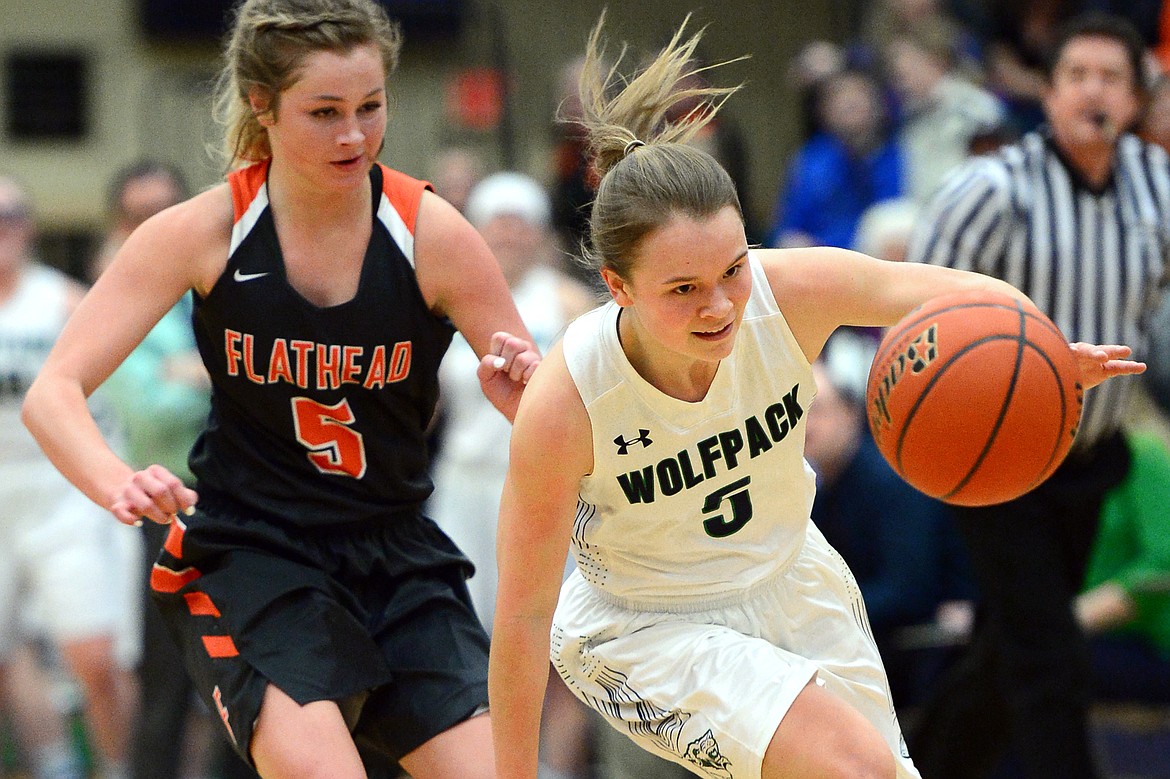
<point>145,97</point>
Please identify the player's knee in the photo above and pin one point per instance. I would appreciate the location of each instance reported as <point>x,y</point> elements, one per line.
<point>302,769</point>
<point>860,760</point>
<point>310,741</point>
<point>287,760</point>
<point>846,761</point>
<point>821,736</point>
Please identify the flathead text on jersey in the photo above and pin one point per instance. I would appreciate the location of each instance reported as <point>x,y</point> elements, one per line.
<point>312,365</point>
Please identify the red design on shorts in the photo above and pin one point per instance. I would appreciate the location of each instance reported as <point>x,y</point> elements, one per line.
<point>220,646</point>
<point>200,604</point>
<point>174,542</point>
<point>168,581</point>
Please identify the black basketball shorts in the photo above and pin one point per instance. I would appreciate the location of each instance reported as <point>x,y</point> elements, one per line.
<point>377,619</point>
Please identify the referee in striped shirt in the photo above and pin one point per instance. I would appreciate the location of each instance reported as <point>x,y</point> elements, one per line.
<point>1077,216</point>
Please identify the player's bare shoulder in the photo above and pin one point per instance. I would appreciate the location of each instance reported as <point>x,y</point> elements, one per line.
<point>820,288</point>
<point>451,258</point>
<point>194,236</point>
<point>552,413</point>
<point>796,273</point>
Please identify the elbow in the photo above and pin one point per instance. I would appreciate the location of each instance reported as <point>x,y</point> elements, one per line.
<point>35,409</point>
<point>30,408</point>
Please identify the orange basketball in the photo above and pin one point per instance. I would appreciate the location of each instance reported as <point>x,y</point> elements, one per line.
<point>974,398</point>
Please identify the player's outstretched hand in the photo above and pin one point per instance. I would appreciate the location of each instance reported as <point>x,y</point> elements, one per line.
<point>505,369</point>
<point>1101,362</point>
<point>153,493</point>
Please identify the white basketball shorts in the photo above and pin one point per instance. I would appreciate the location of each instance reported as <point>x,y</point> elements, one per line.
<point>707,689</point>
<point>68,569</point>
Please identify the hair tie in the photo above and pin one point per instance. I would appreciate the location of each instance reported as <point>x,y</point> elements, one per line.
<point>631,146</point>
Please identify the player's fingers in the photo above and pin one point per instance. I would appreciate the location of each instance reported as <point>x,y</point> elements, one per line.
<point>182,496</point>
<point>1102,351</point>
<point>125,514</point>
<point>1086,351</point>
<point>529,362</point>
<point>1124,367</point>
<point>1116,351</point>
<point>498,341</point>
<point>496,358</point>
<point>489,366</point>
<point>510,347</point>
<point>164,491</point>
<point>520,356</point>
<point>159,486</point>
<point>134,505</point>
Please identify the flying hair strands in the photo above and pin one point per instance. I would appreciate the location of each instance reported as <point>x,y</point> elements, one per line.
<point>618,110</point>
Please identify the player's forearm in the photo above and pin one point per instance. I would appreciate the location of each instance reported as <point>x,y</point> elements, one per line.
<point>517,677</point>
<point>944,280</point>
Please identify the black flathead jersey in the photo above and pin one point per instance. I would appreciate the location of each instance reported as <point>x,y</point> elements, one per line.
<point>319,415</point>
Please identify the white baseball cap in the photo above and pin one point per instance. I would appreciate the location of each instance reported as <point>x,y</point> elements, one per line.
<point>508,193</point>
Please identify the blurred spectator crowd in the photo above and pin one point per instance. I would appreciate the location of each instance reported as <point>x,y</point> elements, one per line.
<point>888,113</point>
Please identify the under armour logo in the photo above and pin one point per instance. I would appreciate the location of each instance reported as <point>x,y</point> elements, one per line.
<point>624,446</point>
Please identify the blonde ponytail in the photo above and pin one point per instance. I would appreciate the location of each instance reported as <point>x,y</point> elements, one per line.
<point>647,170</point>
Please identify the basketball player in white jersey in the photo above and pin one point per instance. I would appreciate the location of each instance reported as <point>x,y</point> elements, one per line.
<point>663,441</point>
<point>63,565</point>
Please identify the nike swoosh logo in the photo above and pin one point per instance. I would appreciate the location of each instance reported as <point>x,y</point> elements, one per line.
<point>247,276</point>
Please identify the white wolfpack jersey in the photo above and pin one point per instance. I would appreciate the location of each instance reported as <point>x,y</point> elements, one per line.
<point>691,504</point>
<point>65,566</point>
<point>30,321</point>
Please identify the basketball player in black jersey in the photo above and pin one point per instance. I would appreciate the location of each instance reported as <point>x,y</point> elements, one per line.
<point>322,617</point>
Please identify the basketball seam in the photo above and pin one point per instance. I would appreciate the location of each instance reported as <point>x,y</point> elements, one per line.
<point>1007,401</point>
<point>1023,343</point>
<point>1064,413</point>
<point>938,374</point>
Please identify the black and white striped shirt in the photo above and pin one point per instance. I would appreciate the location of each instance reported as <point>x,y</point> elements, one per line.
<point>1092,260</point>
